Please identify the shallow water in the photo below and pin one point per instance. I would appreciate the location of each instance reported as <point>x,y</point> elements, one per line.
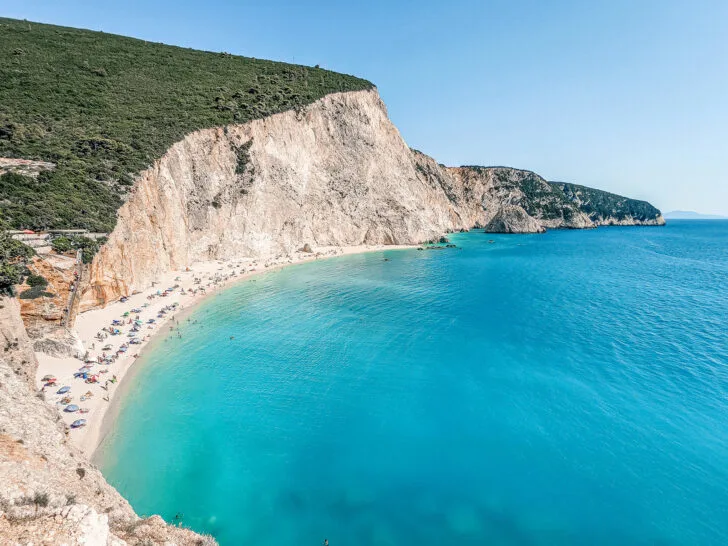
<point>566,388</point>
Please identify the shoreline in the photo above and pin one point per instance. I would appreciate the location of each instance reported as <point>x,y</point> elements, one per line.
<point>104,405</point>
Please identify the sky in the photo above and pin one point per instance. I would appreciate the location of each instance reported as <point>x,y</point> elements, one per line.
<point>630,96</point>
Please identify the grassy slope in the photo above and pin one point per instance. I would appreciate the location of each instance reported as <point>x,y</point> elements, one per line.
<point>103,107</point>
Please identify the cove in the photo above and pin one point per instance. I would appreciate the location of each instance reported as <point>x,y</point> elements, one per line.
<point>565,388</point>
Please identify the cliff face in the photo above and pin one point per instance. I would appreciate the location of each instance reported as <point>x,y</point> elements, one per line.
<point>608,209</point>
<point>487,192</point>
<point>336,172</point>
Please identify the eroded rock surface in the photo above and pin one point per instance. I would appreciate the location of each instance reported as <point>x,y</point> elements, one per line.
<point>513,219</point>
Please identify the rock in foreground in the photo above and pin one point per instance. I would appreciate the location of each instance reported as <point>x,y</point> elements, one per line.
<point>513,219</point>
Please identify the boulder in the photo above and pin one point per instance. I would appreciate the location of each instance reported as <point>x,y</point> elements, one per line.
<point>513,219</point>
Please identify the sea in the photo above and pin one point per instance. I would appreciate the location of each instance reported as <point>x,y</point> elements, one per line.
<point>567,388</point>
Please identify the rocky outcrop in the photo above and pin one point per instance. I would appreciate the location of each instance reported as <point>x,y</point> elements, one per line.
<point>17,349</point>
<point>27,167</point>
<point>49,492</point>
<point>44,308</point>
<point>513,219</point>
<point>608,209</point>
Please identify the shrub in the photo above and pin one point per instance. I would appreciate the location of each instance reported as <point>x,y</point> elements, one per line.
<point>34,293</point>
<point>89,247</point>
<point>36,281</point>
<point>40,499</point>
<point>61,244</point>
<point>243,154</point>
<point>13,257</point>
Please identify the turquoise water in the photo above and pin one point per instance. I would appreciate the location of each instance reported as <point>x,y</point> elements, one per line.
<point>566,388</point>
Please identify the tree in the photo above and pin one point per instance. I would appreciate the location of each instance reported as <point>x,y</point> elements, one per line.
<point>13,257</point>
<point>61,244</point>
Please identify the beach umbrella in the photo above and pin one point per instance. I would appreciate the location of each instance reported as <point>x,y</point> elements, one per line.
<point>71,408</point>
<point>63,390</point>
<point>78,423</point>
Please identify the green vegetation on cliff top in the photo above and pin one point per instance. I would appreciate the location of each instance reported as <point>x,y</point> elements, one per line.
<point>104,107</point>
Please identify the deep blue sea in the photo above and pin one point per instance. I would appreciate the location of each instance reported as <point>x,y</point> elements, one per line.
<point>569,388</point>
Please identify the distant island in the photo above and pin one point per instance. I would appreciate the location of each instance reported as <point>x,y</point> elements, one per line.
<point>692,215</point>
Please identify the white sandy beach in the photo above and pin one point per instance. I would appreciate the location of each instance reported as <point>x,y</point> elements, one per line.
<point>212,276</point>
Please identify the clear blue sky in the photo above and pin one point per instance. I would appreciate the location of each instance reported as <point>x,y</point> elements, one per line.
<point>625,95</point>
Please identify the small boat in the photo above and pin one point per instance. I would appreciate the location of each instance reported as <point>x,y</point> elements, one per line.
<point>63,390</point>
<point>71,408</point>
<point>78,423</point>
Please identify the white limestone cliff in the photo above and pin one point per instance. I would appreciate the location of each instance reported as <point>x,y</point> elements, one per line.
<point>334,173</point>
